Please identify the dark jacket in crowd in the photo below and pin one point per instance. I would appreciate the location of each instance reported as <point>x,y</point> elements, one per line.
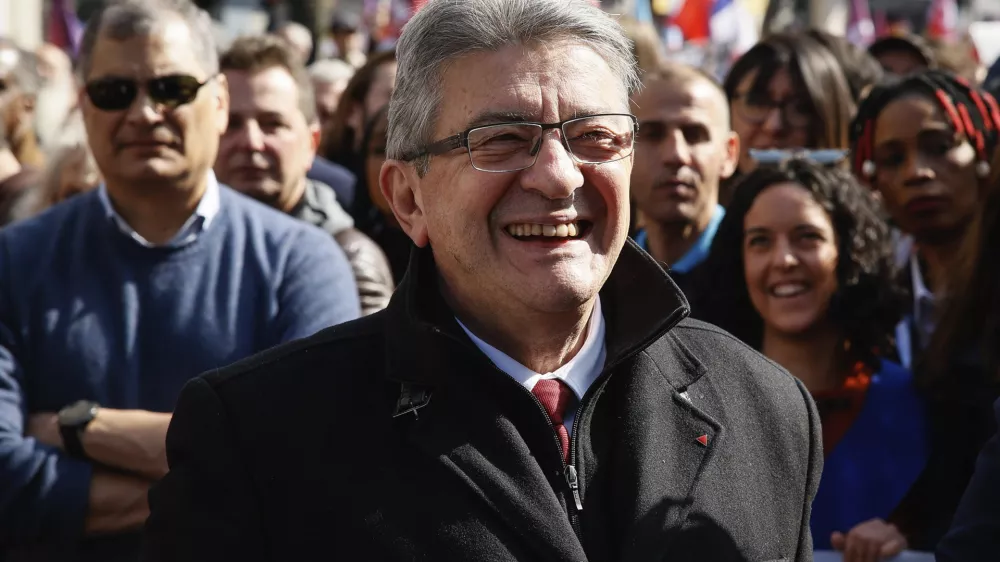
<point>960,412</point>
<point>319,207</point>
<point>339,178</point>
<point>975,532</point>
<point>689,446</point>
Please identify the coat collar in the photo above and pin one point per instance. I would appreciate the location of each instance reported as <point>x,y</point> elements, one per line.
<point>640,303</point>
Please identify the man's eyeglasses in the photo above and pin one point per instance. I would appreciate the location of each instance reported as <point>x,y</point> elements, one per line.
<point>796,113</point>
<point>116,94</point>
<point>511,147</point>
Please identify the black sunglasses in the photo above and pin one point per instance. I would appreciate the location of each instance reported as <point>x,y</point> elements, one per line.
<point>116,94</point>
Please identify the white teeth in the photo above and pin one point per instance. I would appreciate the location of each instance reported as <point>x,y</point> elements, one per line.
<point>788,289</point>
<point>549,230</point>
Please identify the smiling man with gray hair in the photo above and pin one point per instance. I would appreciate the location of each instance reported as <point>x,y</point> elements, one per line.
<point>533,391</point>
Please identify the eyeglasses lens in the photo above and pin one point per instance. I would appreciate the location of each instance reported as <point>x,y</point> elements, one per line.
<point>510,147</point>
<point>116,94</point>
<point>174,91</point>
<point>112,94</point>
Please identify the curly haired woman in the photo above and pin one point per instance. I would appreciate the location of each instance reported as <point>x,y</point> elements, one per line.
<point>801,270</point>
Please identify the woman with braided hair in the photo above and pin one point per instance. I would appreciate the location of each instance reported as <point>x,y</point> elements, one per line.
<point>925,143</point>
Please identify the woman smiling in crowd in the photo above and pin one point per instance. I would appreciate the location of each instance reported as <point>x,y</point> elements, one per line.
<point>801,269</point>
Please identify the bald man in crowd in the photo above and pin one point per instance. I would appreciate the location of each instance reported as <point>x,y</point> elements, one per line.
<point>685,149</point>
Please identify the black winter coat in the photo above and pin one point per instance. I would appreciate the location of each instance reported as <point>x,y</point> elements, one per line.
<point>690,446</point>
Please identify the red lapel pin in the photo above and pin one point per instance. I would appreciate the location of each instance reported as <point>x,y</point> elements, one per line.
<point>703,440</point>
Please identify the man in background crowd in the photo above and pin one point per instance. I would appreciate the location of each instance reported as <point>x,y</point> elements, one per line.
<point>112,301</point>
<point>299,38</point>
<point>345,30</point>
<point>270,144</point>
<point>329,79</point>
<point>56,95</point>
<point>901,55</point>
<point>685,149</point>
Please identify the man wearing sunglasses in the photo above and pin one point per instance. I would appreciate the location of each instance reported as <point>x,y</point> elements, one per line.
<point>113,300</point>
<point>532,391</point>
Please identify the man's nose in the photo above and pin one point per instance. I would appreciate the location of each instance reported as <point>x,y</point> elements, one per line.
<point>555,174</point>
<point>250,136</point>
<point>143,110</point>
<point>674,149</point>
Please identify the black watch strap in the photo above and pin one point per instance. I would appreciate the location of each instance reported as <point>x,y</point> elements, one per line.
<point>71,440</point>
<point>73,421</point>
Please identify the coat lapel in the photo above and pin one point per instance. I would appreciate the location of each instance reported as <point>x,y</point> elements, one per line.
<point>661,445</point>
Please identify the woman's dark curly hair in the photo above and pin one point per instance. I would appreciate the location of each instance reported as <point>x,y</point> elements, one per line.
<point>866,306</point>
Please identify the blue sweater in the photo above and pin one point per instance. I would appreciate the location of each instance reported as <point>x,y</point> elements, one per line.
<point>88,313</point>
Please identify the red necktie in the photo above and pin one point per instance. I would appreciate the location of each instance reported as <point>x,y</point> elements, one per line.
<point>555,396</point>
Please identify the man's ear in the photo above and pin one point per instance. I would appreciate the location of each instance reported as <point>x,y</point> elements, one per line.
<point>222,103</point>
<point>400,186</point>
<point>732,159</point>
<point>315,134</point>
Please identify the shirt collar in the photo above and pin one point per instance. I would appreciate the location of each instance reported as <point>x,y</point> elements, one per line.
<point>207,209</point>
<point>699,251</point>
<point>578,373</point>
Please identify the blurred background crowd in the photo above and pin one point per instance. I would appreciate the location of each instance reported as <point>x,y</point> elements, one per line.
<point>821,176</point>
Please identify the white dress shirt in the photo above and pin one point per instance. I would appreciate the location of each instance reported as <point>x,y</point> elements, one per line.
<point>207,209</point>
<point>578,373</point>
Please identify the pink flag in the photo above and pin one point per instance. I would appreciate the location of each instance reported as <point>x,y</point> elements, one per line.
<point>860,27</point>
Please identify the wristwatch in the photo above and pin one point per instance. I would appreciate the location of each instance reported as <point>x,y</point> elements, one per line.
<point>73,420</point>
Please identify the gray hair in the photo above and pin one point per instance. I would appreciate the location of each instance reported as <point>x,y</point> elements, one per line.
<point>330,71</point>
<point>444,30</point>
<point>124,19</point>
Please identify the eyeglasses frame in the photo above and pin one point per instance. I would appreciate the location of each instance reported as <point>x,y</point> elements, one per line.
<point>143,85</point>
<point>461,140</point>
<point>782,108</point>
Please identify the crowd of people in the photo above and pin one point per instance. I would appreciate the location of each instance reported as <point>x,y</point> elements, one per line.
<point>361,253</point>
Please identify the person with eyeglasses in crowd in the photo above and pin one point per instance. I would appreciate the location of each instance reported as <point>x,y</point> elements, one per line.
<point>801,269</point>
<point>533,391</point>
<point>269,145</point>
<point>789,91</point>
<point>684,150</point>
<point>111,301</point>
<point>924,143</point>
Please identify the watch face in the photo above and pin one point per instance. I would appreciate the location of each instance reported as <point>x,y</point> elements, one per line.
<point>78,413</point>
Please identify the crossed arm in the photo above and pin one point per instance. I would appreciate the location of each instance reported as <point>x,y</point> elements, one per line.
<point>130,444</point>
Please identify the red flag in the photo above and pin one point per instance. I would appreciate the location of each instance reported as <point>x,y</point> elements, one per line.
<point>694,19</point>
<point>942,20</point>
